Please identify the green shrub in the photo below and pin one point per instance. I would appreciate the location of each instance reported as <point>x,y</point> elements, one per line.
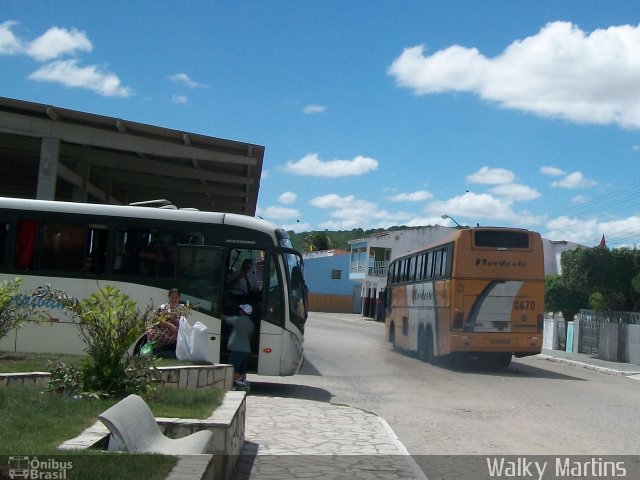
<point>13,311</point>
<point>109,323</point>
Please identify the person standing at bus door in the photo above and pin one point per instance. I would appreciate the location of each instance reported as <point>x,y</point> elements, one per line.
<point>239,344</point>
<point>165,331</point>
<point>243,283</point>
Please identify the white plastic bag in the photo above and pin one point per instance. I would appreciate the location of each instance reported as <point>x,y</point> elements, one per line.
<point>199,342</point>
<point>192,341</point>
<point>183,349</point>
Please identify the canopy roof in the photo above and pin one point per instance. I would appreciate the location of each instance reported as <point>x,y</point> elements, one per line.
<point>110,160</point>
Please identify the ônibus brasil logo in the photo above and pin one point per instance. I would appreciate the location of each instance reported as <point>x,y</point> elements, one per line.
<point>34,468</point>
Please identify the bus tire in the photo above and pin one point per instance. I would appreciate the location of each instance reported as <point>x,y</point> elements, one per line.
<point>425,346</point>
<point>493,361</point>
<point>392,334</point>
<point>503,360</point>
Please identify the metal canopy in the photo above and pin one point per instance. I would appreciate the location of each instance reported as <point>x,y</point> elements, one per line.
<point>109,160</point>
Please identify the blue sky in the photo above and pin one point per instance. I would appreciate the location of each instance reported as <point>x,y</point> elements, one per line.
<point>373,113</point>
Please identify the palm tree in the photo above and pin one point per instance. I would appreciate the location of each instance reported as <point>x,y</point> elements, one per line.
<point>317,241</point>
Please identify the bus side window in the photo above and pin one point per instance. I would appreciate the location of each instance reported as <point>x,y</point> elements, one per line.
<point>26,243</point>
<point>167,254</point>
<point>428,270</point>
<point>62,247</point>
<point>440,263</point>
<point>95,249</point>
<point>419,270</point>
<point>4,230</point>
<point>445,263</point>
<point>136,250</point>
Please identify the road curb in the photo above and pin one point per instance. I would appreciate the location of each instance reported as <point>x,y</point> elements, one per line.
<point>419,474</point>
<point>608,371</point>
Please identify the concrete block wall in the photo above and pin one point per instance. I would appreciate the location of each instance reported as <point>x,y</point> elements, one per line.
<point>189,376</point>
<point>31,379</point>
<point>197,376</point>
<point>331,303</point>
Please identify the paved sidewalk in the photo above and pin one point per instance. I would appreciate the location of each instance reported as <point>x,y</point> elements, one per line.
<point>292,438</point>
<point>591,362</point>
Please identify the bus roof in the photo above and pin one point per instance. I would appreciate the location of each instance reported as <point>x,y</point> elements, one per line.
<point>142,212</point>
<point>456,234</point>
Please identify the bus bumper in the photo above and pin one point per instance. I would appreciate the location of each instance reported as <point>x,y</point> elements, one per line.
<point>521,344</point>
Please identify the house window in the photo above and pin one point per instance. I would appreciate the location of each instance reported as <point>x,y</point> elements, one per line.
<point>336,274</point>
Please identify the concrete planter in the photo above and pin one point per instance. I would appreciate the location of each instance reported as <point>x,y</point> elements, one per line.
<point>227,424</point>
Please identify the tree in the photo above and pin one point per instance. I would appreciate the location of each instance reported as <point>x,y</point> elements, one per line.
<point>317,241</point>
<point>610,273</point>
<point>558,297</point>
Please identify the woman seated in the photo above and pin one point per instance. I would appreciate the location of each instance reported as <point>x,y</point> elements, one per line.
<point>164,333</point>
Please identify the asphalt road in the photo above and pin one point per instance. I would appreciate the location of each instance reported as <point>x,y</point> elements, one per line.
<point>535,407</point>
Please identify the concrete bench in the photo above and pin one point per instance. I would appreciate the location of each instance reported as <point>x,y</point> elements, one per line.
<point>133,428</point>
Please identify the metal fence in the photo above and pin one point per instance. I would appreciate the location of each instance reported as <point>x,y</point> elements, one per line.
<point>612,336</point>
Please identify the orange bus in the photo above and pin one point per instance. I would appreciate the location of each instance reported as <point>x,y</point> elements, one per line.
<point>479,292</point>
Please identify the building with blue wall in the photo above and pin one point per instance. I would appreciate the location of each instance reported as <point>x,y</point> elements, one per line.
<point>329,287</point>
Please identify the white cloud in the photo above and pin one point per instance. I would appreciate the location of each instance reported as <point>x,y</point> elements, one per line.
<point>184,79</point>
<point>297,227</point>
<point>9,43</point>
<point>411,197</point>
<point>287,198</point>
<point>475,206</point>
<point>491,176</point>
<point>619,232</point>
<point>180,99</point>
<point>57,42</point>
<point>424,221</point>
<point>311,165</point>
<point>350,212</point>
<point>552,171</point>
<point>559,72</point>
<point>574,180</point>
<point>579,199</point>
<point>311,109</point>
<point>572,229</point>
<point>69,74</point>
<point>276,212</point>
<point>516,192</point>
<point>589,232</point>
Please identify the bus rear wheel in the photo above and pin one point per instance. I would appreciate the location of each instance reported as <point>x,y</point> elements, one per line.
<point>392,334</point>
<point>496,360</point>
<point>425,346</point>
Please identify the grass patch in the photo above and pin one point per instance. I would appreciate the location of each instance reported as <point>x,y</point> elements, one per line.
<point>11,362</point>
<point>35,423</point>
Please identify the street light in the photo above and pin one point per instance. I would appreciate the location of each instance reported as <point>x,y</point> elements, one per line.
<point>444,216</point>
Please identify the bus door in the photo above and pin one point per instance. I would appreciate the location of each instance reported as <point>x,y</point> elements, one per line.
<point>284,314</point>
<point>201,283</point>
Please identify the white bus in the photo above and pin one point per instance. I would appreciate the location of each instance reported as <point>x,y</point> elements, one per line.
<point>144,251</point>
